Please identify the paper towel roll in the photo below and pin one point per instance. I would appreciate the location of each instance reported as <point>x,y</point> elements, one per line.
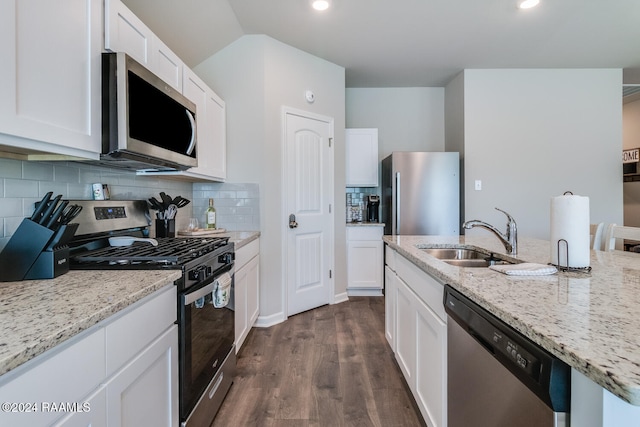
<point>570,222</point>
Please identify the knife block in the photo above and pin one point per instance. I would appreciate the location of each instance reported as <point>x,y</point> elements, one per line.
<point>36,252</point>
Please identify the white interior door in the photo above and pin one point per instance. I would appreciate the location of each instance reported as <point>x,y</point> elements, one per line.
<point>308,182</point>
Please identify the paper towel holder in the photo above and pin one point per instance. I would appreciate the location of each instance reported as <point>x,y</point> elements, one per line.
<point>566,267</point>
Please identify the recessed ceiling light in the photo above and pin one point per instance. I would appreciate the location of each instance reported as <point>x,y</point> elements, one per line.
<point>320,4</point>
<point>528,4</point>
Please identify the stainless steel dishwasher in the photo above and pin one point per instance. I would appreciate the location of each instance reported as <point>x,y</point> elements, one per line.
<point>496,376</point>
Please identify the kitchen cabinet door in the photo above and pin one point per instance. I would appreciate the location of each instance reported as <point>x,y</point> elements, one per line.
<point>364,260</point>
<point>361,157</point>
<point>431,365</point>
<point>406,332</point>
<point>390,290</point>
<point>50,77</point>
<point>95,416</point>
<point>125,32</point>
<point>247,289</point>
<point>145,391</point>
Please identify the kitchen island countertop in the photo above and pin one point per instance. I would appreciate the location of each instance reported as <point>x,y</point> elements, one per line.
<point>589,320</point>
<point>37,315</point>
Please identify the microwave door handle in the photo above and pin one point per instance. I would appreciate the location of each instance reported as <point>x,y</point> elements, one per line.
<point>192,144</point>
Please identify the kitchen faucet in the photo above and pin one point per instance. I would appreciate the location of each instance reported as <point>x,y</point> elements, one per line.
<point>509,239</point>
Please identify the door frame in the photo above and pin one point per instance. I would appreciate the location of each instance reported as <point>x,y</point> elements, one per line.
<point>283,204</point>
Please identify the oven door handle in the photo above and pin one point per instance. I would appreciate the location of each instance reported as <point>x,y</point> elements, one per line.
<point>191,297</point>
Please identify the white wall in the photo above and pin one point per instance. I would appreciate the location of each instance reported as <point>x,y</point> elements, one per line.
<point>530,135</point>
<point>256,76</point>
<point>408,119</point>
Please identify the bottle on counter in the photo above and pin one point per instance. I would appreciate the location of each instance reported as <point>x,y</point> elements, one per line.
<point>210,216</point>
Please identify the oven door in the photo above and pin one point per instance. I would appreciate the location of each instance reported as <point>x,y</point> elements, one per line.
<point>206,338</point>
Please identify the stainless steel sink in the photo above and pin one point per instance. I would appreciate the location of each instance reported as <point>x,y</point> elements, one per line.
<point>465,257</point>
<point>455,253</point>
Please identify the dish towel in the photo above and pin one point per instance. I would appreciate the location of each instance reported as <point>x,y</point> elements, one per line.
<point>222,291</point>
<point>525,269</point>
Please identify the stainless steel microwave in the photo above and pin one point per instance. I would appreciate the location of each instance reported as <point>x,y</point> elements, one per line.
<point>146,124</point>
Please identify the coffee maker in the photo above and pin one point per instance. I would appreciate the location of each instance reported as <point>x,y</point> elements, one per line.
<point>373,207</point>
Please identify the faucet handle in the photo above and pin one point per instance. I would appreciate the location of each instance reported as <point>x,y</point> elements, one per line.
<point>509,217</point>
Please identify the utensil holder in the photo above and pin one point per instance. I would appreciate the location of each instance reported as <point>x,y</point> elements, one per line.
<point>166,227</point>
<point>36,252</point>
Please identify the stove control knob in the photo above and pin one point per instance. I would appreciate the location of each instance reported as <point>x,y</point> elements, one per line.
<point>226,258</point>
<point>208,271</point>
<point>197,273</point>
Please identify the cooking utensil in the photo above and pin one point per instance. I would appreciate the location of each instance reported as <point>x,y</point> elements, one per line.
<point>41,206</point>
<point>170,212</point>
<point>181,202</point>
<point>47,213</point>
<point>53,223</point>
<point>166,200</point>
<point>155,204</point>
<point>128,240</point>
<point>70,213</point>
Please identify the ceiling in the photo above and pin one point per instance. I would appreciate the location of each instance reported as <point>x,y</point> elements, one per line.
<point>411,43</point>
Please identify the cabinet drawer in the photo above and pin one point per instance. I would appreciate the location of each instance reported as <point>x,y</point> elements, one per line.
<point>245,253</point>
<point>390,257</point>
<point>364,233</point>
<point>133,331</point>
<point>428,289</point>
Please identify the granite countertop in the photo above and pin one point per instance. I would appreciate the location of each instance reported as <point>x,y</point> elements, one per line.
<point>37,315</point>
<point>589,320</point>
<point>241,238</point>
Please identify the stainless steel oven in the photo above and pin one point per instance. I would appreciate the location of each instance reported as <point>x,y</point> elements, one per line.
<point>207,336</point>
<point>205,295</point>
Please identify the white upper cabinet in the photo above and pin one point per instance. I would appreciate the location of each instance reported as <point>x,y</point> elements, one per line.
<point>50,77</point>
<point>125,32</point>
<point>361,157</point>
<point>212,134</point>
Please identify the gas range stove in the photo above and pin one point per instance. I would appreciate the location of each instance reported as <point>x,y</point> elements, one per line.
<point>170,253</point>
<point>197,257</point>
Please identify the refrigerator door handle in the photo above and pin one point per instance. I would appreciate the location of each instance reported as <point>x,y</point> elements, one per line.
<point>397,225</point>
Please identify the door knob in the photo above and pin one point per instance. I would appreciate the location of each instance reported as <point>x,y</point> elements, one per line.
<point>292,221</point>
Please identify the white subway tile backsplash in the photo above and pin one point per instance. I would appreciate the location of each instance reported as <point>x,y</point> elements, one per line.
<point>11,207</point>
<point>37,171</point>
<point>20,188</point>
<point>10,169</point>
<point>237,205</point>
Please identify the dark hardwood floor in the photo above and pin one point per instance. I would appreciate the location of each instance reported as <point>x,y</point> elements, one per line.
<point>330,366</point>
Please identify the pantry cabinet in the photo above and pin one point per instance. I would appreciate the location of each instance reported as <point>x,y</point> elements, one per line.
<point>50,78</point>
<point>419,322</point>
<point>364,260</point>
<point>247,290</point>
<point>122,371</point>
<point>361,157</point>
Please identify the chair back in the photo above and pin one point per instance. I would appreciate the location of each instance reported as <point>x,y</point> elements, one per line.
<point>619,232</point>
<point>597,230</point>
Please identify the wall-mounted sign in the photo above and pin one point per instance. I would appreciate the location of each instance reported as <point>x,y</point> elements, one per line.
<point>631,156</point>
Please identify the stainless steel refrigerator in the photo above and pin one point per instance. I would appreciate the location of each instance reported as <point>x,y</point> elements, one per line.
<point>421,193</point>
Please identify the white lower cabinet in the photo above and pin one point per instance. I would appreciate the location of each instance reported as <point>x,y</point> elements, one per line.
<point>364,260</point>
<point>144,392</point>
<point>390,291</point>
<point>247,290</point>
<point>416,323</point>
<point>110,376</point>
